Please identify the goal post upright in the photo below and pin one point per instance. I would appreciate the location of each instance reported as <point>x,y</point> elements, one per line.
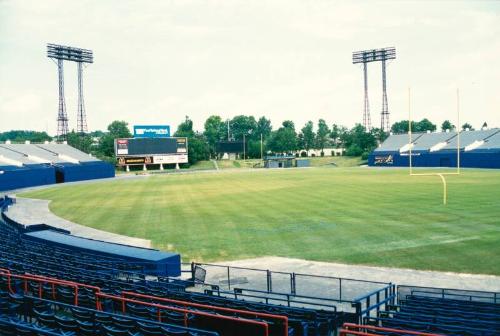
<point>410,145</point>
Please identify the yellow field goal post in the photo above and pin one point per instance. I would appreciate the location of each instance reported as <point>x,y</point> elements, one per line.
<point>410,145</point>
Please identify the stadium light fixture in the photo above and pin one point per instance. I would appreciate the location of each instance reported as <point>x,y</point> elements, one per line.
<point>365,57</point>
<point>81,56</point>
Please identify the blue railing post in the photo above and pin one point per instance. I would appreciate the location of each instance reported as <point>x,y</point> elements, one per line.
<point>368,306</point>
<point>269,285</point>
<point>228,279</point>
<point>340,288</point>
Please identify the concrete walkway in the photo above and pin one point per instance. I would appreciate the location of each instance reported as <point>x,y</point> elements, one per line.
<point>398,276</point>
<point>29,211</point>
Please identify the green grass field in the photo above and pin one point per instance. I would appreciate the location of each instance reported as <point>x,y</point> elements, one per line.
<point>352,215</point>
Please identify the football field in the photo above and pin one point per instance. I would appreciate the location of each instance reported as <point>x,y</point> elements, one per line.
<point>351,215</point>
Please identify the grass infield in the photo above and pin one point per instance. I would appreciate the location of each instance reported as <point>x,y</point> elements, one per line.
<point>352,215</point>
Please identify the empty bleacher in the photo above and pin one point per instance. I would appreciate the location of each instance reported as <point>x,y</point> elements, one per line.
<point>56,290</point>
<point>442,311</point>
<point>28,165</point>
<point>478,149</point>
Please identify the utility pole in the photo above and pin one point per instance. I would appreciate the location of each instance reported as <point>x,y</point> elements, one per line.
<point>261,147</point>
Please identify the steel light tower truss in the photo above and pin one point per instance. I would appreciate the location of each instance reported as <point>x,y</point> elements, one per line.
<point>80,56</point>
<point>365,57</point>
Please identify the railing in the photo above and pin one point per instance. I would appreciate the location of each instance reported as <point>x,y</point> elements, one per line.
<point>185,312</point>
<point>41,280</point>
<point>337,288</point>
<point>374,300</point>
<point>349,329</point>
<point>284,319</point>
<point>449,293</point>
<point>289,299</point>
<point>67,307</point>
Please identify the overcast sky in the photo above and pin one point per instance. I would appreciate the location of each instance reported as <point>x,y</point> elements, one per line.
<point>158,61</point>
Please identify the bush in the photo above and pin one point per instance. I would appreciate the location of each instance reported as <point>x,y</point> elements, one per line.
<point>354,150</point>
<point>365,155</point>
<point>313,155</point>
<point>303,154</point>
<point>333,153</point>
<point>322,153</point>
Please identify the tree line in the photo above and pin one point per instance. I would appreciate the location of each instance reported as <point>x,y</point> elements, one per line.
<point>286,139</point>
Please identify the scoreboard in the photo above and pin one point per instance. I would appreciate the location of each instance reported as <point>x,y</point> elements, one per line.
<point>143,151</point>
<point>229,147</point>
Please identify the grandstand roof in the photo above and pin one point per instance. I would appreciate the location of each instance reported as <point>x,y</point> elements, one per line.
<point>67,150</point>
<point>28,154</point>
<point>428,140</point>
<point>481,139</point>
<point>9,157</point>
<point>468,137</point>
<point>492,142</point>
<point>396,141</point>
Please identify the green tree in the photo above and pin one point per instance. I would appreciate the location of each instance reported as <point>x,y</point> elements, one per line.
<point>467,126</point>
<point>198,148</point>
<point>215,130</point>
<point>447,125</point>
<point>307,136</point>
<point>22,136</point>
<point>243,125</point>
<point>357,141</point>
<point>263,127</point>
<point>322,135</point>
<point>82,142</point>
<point>117,129</point>
<point>284,140</point>
<point>185,129</point>
<point>337,134</point>
<point>423,125</point>
<point>253,147</point>
<point>400,127</point>
<point>379,134</point>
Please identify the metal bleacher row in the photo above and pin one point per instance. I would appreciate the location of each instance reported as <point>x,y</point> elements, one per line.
<point>28,165</point>
<point>47,289</point>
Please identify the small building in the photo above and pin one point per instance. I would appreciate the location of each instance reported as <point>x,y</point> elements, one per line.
<point>285,161</point>
<point>279,161</point>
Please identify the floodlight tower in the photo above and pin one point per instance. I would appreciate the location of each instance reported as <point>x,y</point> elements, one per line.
<point>375,55</point>
<point>81,56</point>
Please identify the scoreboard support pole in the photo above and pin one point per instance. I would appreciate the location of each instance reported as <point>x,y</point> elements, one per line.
<point>161,166</point>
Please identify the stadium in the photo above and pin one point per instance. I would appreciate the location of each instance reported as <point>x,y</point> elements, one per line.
<point>241,227</point>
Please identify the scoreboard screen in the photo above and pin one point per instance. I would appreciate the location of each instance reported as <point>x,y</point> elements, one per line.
<point>229,147</point>
<point>151,150</point>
